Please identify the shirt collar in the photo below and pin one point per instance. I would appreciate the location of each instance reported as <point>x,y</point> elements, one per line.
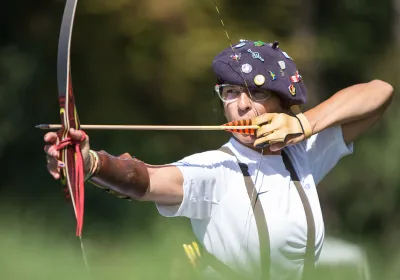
<point>250,154</point>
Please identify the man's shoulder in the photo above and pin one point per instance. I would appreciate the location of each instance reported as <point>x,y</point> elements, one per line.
<point>206,157</point>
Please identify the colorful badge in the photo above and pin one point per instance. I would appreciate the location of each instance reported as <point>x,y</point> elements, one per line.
<point>259,80</point>
<point>246,68</point>
<point>296,78</point>
<point>255,55</point>
<point>259,44</point>
<point>273,76</point>
<point>286,55</point>
<point>240,45</point>
<point>236,57</point>
<point>292,90</point>
<point>282,65</point>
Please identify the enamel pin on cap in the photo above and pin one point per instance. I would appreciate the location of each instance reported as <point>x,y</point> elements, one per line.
<point>292,90</point>
<point>286,55</point>
<point>282,65</point>
<point>273,76</point>
<point>240,45</point>
<point>259,43</point>
<point>259,80</point>
<point>246,68</point>
<point>255,55</point>
<point>296,78</point>
<point>236,56</point>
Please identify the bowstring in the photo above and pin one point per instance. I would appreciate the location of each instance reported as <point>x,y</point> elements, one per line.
<point>262,150</point>
<point>84,257</point>
<point>230,43</point>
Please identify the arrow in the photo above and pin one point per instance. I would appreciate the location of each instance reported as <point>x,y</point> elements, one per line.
<point>245,129</point>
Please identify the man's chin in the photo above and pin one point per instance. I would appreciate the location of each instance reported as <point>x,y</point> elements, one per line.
<point>244,138</point>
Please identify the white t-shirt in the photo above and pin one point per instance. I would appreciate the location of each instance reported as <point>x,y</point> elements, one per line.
<point>216,201</point>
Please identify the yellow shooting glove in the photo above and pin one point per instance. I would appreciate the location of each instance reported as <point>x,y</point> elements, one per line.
<point>279,130</point>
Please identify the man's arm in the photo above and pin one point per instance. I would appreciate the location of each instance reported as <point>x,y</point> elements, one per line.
<point>131,178</point>
<point>166,185</point>
<point>356,109</point>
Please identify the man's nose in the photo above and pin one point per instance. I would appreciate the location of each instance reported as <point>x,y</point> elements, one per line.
<point>244,102</point>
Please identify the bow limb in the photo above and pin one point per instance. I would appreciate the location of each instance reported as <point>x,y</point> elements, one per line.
<point>72,174</point>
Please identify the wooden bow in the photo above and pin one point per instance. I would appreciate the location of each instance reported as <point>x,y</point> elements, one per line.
<point>72,175</point>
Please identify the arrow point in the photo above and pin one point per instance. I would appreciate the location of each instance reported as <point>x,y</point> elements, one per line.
<point>42,126</point>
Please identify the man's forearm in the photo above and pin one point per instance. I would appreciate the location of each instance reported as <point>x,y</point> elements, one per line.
<point>350,104</point>
<point>122,176</point>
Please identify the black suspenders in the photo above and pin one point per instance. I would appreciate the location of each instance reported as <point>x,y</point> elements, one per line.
<point>262,226</point>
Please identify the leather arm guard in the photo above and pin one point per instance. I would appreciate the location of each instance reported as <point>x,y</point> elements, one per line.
<point>123,176</point>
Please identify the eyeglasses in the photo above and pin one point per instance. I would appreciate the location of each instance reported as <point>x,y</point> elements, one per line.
<point>230,93</point>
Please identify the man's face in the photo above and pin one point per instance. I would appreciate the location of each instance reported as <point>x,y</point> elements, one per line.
<point>240,106</point>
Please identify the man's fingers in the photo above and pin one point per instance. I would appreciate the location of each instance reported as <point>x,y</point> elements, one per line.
<point>76,134</point>
<point>264,130</point>
<point>51,150</point>
<point>267,140</point>
<point>55,173</point>
<point>51,137</point>
<point>125,156</point>
<point>54,166</point>
<point>54,163</point>
<point>263,119</point>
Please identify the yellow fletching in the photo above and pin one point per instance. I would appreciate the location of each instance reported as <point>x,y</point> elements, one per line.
<point>196,248</point>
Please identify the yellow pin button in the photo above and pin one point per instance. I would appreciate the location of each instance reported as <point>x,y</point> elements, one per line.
<point>259,80</point>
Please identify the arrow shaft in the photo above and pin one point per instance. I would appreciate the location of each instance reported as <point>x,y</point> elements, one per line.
<point>150,127</point>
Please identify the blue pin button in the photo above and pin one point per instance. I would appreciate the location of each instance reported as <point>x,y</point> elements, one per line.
<point>255,55</point>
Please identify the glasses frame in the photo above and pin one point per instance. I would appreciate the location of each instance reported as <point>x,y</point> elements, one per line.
<point>218,88</point>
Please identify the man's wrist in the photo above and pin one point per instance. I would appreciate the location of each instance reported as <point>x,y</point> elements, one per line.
<point>93,165</point>
<point>305,125</point>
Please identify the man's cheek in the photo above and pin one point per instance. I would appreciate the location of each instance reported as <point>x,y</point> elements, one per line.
<point>229,116</point>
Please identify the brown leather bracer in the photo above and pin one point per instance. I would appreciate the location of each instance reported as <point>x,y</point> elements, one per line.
<point>123,176</point>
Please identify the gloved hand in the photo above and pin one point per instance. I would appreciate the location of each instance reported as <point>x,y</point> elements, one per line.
<point>279,130</point>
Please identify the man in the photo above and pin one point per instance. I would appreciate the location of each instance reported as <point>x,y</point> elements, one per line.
<point>253,204</point>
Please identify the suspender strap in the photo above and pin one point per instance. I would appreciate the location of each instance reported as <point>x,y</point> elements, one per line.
<point>262,227</point>
<point>259,216</point>
<point>309,262</point>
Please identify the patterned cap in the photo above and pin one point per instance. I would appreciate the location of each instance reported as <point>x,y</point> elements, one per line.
<point>263,66</point>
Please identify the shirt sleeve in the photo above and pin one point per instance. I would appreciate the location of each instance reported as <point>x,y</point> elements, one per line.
<point>203,187</point>
<point>325,149</point>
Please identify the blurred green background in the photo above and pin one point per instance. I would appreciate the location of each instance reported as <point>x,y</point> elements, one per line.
<point>149,62</point>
